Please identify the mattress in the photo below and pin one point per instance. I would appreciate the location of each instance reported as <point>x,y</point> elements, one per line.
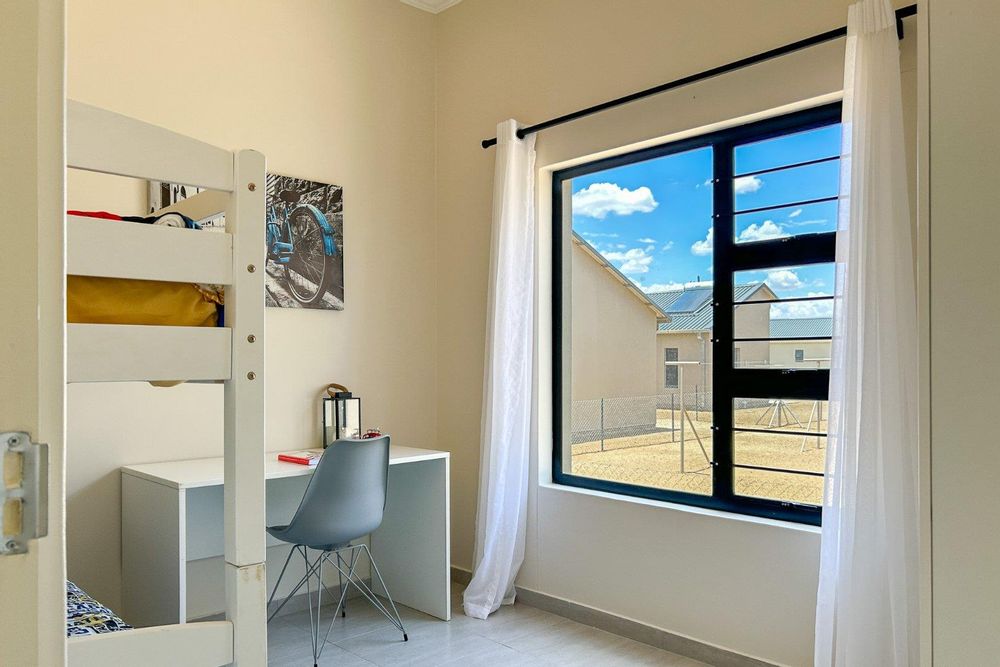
<point>87,616</point>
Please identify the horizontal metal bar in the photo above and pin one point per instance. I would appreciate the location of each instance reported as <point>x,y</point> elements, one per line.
<point>798,434</point>
<point>836,33</point>
<point>786,383</point>
<point>828,297</point>
<point>782,470</point>
<point>762,340</point>
<point>787,251</point>
<point>804,202</point>
<point>807,163</point>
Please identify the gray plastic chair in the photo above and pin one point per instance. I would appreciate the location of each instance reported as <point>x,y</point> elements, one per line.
<point>344,501</point>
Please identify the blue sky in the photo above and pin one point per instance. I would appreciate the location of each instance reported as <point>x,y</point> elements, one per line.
<point>652,219</point>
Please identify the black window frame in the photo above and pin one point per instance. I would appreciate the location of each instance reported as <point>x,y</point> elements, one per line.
<point>728,381</point>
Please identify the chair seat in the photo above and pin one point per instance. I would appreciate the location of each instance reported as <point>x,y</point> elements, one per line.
<point>278,532</point>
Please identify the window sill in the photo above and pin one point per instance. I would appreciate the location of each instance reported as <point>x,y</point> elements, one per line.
<point>678,507</point>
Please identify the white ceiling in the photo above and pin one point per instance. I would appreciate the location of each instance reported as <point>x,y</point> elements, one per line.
<point>432,6</point>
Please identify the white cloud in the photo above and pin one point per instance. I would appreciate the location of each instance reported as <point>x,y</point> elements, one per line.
<point>662,287</point>
<point>796,213</point>
<point>673,287</point>
<point>747,184</point>
<point>804,223</point>
<point>799,309</point>
<point>704,247</point>
<point>783,279</point>
<point>646,240</point>
<point>765,230</point>
<point>708,181</point>
<point>667,246</point>
<point>634,261</point>
<point>598,235</point>
<point>599,199</point>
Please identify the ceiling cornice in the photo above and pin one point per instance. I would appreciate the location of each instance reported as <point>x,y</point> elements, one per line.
<point>432,6</point>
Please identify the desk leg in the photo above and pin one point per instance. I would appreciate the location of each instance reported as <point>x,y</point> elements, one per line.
<point>154,572</point>
<point>413,545</point>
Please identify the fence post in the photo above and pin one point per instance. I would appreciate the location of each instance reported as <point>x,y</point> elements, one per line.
<point>602,424</point>
<point>673,424</point>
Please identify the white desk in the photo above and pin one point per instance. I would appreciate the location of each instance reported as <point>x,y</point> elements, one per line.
<point>172,524</point>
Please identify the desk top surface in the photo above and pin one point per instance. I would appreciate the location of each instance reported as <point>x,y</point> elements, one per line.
<point>194,473</point>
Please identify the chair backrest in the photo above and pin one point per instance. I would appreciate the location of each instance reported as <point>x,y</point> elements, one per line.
<point>345,498</point>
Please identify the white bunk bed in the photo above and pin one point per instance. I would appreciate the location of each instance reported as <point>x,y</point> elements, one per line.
<point>102,141</point>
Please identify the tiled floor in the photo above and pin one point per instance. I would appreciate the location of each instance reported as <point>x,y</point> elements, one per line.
<point>515,635</point>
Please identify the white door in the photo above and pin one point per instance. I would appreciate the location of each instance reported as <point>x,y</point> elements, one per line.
<point>32,316</point>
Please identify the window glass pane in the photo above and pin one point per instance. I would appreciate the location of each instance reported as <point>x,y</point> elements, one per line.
<point>640,408</point>
<point>788,149</point>
<point>785,282</point>
<point>800,452</point>
<point>783,486</point>
<point>782,222</point>
<point>815,354</point>
<point>787,186</point>
<point>783,319</point>
<point>784,414</point>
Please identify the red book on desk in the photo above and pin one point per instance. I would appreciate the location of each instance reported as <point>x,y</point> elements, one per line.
<point>306,458</point>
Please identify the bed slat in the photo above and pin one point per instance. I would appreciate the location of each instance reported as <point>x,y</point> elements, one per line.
<point>129,353</point>
<point>104,141</point>
<point>115,249</point>
<point>208,644</point>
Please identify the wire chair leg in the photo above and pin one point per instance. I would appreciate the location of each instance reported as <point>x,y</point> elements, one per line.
<point>302,581</point>
<point>386,589</point>
<point>283,568</point>
<point>340,582</point>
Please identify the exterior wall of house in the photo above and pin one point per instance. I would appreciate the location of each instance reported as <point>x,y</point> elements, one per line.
<point>751,321</point>
<point>614,335</point>
<point>783,353</point>
<point>689,348</point>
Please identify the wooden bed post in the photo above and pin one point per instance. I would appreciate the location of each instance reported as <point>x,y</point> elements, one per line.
<point>246,583</point>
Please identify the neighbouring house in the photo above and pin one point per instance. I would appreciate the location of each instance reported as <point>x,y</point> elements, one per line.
<point>613,330</point>
<point>687,337</point>
<point>801,353</point>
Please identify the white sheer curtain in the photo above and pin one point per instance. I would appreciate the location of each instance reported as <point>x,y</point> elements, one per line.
<point>507,388</point>
<point>867,601</point>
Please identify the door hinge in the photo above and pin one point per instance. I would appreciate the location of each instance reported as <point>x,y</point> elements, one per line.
<point>24,493</point>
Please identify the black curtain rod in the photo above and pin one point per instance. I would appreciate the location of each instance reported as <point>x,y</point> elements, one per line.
<point>901,13</point>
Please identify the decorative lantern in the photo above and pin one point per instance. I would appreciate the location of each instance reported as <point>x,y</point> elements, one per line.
<point>341,414</point>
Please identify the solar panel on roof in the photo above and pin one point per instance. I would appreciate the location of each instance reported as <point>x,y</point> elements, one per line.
<point>690,301</point>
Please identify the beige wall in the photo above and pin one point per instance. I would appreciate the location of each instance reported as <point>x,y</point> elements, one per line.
<point>965,393</point>
<point>614,335</point>
<point>689,348</point>
<point>783,354</point>
<point>751,321</point>
<point>341,92</point>
<point>532,60</point>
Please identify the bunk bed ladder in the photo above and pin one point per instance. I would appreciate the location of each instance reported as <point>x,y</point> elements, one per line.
<point>245,415</point>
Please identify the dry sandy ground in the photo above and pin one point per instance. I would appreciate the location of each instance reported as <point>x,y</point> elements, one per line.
<point>654,460</point>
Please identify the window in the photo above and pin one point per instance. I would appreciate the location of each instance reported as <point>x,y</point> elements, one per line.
<point>718,250</point>
<point>670,370</point>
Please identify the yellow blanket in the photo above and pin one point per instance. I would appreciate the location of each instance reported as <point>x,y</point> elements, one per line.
<point>91,300</point>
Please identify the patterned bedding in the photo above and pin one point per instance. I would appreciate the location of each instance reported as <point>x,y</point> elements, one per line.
<point>87,616</point>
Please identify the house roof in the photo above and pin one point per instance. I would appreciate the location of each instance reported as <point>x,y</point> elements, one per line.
<point>661,316</point>
<point>802,327</point>
<point>690,308</point>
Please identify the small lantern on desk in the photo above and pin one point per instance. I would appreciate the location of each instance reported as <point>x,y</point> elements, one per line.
<point>341,414</point>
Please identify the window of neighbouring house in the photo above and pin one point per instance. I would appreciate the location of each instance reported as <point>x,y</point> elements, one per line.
<point>711,258</point>
<point>670,370</point>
